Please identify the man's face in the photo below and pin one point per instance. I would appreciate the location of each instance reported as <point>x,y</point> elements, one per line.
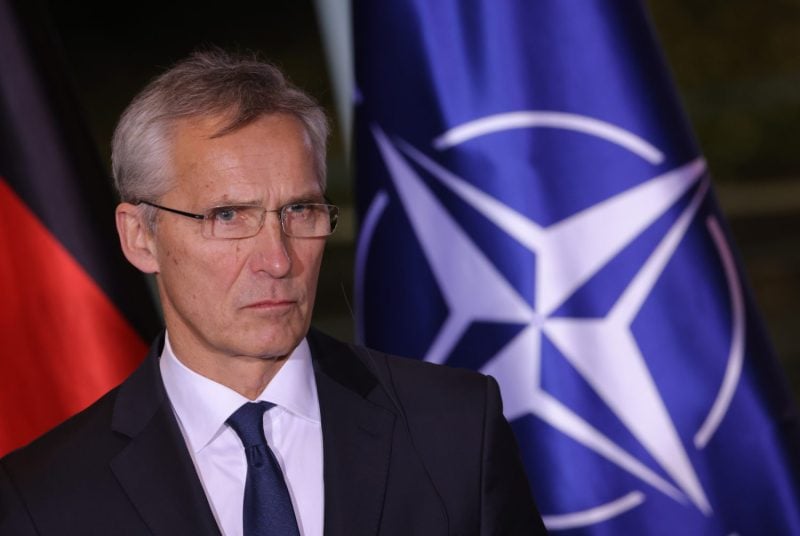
<point>244,297</point>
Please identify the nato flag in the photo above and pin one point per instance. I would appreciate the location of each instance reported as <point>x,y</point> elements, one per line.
<point>533,206</point>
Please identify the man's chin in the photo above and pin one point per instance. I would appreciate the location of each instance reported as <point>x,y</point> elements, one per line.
<point>270,346</point>
<point>265,334</point>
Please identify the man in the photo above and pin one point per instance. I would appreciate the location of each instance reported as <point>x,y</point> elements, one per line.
<point>241,420</point>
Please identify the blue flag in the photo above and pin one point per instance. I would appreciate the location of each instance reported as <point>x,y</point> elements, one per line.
<point>533,205</point>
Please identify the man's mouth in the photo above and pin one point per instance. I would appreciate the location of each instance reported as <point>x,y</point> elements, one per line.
<point>270,304</point>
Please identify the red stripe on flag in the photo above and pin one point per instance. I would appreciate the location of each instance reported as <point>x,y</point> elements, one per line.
<point>62,342</point>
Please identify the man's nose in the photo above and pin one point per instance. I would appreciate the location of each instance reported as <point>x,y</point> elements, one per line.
<point>270,253</point>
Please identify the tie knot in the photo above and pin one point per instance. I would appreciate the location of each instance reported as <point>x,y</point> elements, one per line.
<point>248,423</point>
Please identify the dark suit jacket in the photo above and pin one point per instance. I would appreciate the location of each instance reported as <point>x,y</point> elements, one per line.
<point>409,448</point>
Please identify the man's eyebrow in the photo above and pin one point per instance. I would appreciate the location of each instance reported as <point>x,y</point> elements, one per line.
<point>308,197</point>
<point>311,197</point>
<point>228,202</point>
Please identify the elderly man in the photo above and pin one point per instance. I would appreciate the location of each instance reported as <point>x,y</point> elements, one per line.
<point>241,420</point>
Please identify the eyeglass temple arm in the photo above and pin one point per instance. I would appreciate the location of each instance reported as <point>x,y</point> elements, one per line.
<point>175,211</point>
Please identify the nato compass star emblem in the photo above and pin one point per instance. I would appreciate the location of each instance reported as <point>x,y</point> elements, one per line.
<point>568,253</point>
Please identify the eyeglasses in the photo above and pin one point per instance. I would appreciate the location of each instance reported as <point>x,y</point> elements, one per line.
<point>298,220</point>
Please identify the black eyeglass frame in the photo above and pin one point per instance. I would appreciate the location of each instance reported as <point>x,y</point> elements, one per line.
<point>333,214</point>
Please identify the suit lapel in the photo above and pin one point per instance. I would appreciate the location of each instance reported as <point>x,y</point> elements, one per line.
<point>155,469</point>
<point>357,428</point>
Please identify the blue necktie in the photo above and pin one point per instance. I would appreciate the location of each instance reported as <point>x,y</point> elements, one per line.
<point>267,505</point>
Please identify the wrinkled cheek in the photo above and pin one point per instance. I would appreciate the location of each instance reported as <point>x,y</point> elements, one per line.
<point>172,259</point>
<point>199,288</point>
<point>220,271</point>
<point>238,252</point>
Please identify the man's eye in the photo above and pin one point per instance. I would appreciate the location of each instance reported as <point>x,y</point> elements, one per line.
<point>224,214</point>
<point>297,208</point>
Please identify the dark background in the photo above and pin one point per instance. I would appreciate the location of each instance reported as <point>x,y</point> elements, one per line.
<point>736,64</point>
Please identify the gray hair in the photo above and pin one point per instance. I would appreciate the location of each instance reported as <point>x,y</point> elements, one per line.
<point>207,83</point>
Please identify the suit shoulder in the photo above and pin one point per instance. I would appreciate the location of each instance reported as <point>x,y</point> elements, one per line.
<point>418,385</point>
<point>72,444</point>
<point>429,387</point>
<point>407,369</point>
<point>400,372</point>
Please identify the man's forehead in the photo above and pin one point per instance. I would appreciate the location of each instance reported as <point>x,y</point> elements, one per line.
<point>267,161</point>
<point>193,138</point>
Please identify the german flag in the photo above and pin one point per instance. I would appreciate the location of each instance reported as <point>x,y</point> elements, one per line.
<point>74,315</point>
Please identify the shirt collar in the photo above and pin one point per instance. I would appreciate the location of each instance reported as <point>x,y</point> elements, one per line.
<point>203,405</point>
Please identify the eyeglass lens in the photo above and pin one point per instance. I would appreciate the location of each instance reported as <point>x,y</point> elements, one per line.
<point>302,220</point>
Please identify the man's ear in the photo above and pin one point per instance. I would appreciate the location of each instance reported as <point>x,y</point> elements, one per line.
<point>135,238</point>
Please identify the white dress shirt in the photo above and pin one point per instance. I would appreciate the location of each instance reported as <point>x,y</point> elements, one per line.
<point>292,428</point>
